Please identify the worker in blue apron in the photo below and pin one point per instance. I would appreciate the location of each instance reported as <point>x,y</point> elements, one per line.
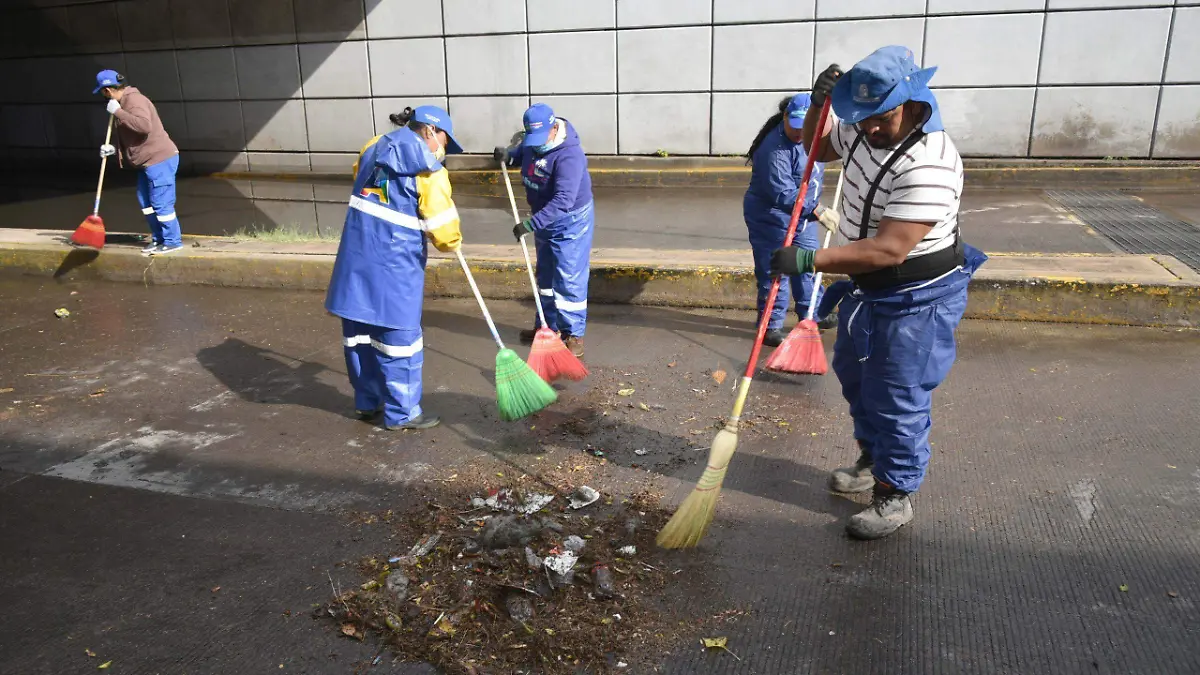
<point>778,159</point>
<point>401,200</point>
<point>559,191</point>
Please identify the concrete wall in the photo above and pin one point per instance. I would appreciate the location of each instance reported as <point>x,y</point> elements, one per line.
<point>298,84</point>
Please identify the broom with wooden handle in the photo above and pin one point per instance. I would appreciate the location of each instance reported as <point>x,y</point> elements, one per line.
<point>90,232</point>
<point>549,357</point>
<point>802,351</point>
<point>687,527</point>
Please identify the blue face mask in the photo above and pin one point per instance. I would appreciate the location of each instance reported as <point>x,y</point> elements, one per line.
<point>550,145</point>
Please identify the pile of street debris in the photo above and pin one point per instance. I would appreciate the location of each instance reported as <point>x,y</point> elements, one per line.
<point>519,581</point>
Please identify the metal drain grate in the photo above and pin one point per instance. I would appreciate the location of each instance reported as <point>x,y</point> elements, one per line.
<point>1132,225</point>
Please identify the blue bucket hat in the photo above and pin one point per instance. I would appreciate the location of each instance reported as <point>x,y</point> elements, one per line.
<point>796,109</point>
<point>435,116</point>
<point>539,121</point>
<point>887,79</point>
<point>106,78</point>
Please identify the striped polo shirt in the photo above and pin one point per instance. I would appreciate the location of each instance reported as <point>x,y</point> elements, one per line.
<point>923,185</point>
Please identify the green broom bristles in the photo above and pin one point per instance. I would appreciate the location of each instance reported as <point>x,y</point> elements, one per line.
<point>519,390</point>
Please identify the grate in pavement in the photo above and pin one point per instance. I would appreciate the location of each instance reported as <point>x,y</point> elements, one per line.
<point>1132,225</point>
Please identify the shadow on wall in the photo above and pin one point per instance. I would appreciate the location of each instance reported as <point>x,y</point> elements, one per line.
<point>185,55</point>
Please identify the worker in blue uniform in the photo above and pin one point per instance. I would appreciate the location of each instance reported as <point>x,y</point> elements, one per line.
<point>401,199</point>
<point>908,266</point>
<point>559,191</point>
<point>778,159</point>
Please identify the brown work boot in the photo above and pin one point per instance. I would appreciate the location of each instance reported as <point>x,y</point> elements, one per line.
<point>575,344</point>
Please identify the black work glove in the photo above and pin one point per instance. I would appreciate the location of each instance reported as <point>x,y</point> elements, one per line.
<point>500,154</point>
<point>823,86</point>
<point>791,260</point>
<point>523,228</point>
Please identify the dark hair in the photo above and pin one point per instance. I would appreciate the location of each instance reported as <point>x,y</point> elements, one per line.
<point>404,119</point>
<point>772,122</point>
<point>121,83</point>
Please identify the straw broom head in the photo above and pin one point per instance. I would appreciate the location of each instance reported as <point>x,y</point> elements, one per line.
<point>690,522</point>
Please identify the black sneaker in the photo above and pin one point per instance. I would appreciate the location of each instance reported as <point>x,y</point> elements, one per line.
<point>149,249</point>
<point>774,338</point>
<point>890,509</point>
<point>367,415</point>
<point>418,423</point>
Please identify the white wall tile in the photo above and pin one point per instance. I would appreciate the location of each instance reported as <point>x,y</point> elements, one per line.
<point>847,42</point>
<point>635,13</point>
<point>210,162</point>
<point>573,63</point>
<point>328,20</point>
<point>392,19</point>
<point>383,107</point>
<point>394,71</point>
<point>974,6</point>
<point>676,123</point>
<point>278,161</point>
<point>571,14</point>
<point>1085,4</point>
<point>1105,47</point>
<point>207,74</point>
<point>774,56</point>
<point>1179,123</point>
<point>335,69</point>
<point>214,126</point>
<point>998,49</point>
<point>729,11</point>
<point>594,118</point>
<point>834,9</point>
<point>268,72</point>
<point>155,74</point>
<point>1094,121</point>
<point>341,125</point>
<point>737,117</point>
<point>487,65</point>
<point>664,59</point>
<point>1183,63</point>
<point>273,126</point>
<point>483,16</point>
<point>481,123</point>
<point>988,122</point>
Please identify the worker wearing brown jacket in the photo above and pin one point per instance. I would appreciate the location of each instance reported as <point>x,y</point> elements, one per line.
<point>146,146</point>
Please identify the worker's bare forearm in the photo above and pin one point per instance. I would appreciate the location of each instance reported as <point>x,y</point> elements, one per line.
<point>857,257</point>
<point>811,119</point>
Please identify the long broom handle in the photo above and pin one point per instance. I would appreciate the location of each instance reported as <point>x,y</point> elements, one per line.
<point>103,165</point>
<point>479,298</point>
<point>787,241</point>
<point>512,200</point>
<point>837,201</point>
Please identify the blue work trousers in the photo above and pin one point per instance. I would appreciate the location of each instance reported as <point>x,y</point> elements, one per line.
<point>766,237</point>
<point>384,365</point>
<point>156,194</point>
<point>564,253</point>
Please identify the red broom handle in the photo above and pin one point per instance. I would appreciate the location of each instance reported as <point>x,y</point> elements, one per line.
<point>787,241</point>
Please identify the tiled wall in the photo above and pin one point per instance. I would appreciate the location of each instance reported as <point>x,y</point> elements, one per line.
<point>288,84</point>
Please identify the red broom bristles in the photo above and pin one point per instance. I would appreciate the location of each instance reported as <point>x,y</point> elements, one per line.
<point>801,352</point>
<point>90,233</point>
<point>551,360</point>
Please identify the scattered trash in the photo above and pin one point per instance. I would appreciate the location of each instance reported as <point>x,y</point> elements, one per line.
<point>718,643</point>
<point>508,500</point>
<point>89,653</point>
<point>6,390</point>
<point>1124,588</point>
<point>718,376</point>
<point>603,579</point>
<point>442,628</point>
<point>584,496</point>
<point>574,543</point>
<point>397,585</point>
<point>423,547</point>
<point>349,630</point>
<point>645,407</point>
<point>98,393</point>
<point>627,551</point>
<point>595,452</point>
<point>641,452</point>
<point>377,659</point>
<point>394,559</point>
<point>215,589</point>
<point>508,531</point>
<point>104,666</point>
<point>62,313</point>
<point>532,559</point>
<point>1172,594</point>
<point>620,392</point>
<point>519,606</point>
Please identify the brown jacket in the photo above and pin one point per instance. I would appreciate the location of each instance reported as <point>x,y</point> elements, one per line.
<point>140,133</point>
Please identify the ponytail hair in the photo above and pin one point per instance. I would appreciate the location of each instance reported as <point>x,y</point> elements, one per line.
<point>404,118</point>
<point>772,122</point>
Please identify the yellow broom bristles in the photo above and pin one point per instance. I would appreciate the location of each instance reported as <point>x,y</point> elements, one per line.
<point>689,524</point>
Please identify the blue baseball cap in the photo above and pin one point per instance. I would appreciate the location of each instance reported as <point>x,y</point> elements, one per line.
<point>887,79</point>
<point>797,108</point>
<point>538,120</point>
<point>435,116</point>
<point>106,78</point>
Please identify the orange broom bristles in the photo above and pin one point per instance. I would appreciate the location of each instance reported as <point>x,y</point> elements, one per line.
<point>551,360</point>
<point>801,352</point>
<point>89,233</point>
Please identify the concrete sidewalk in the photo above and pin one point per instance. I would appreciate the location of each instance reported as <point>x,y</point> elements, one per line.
<point>1082,288</point>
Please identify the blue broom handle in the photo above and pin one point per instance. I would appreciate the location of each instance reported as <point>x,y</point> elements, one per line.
<point>512,200</point>
<point>837,203</point>
<point>479,298</point>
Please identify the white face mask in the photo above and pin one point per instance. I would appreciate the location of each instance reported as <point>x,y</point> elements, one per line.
<point>440,153</point>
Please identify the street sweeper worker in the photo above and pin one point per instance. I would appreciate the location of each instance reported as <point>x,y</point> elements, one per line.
<point>144,145</point>
<point>559,191</point>
<point>777,160</point>
<point>400,201</point>
<point>908,268</point>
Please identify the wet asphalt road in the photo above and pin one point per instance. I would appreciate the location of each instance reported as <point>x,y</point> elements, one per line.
<point>163,442</point>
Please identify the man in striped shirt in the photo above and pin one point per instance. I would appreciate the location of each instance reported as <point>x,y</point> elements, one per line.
<point>908,269</point>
